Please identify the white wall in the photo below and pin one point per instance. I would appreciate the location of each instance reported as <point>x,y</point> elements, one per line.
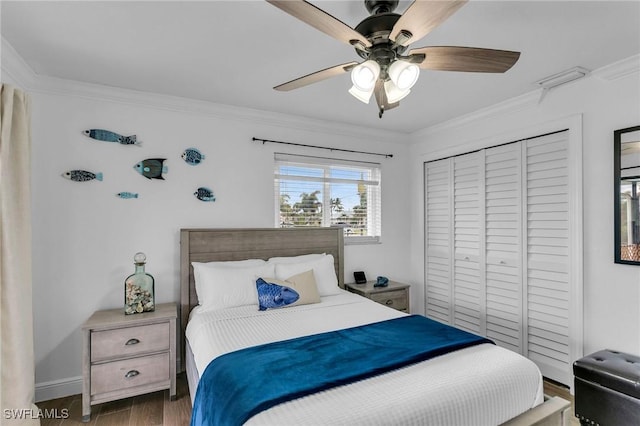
<point>84,237</point>
<point>608,100</point>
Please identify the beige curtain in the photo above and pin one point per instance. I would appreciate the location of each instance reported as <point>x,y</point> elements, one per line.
<point>16,316</point>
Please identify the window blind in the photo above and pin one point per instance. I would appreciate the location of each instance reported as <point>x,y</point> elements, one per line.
<point>317,191</point>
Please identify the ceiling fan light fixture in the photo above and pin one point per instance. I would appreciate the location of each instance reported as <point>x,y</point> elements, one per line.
<point>364,76</point>
<point>394,94</point>
<point>404,74</point>
<point>381,40</point>
<point>361,95</point>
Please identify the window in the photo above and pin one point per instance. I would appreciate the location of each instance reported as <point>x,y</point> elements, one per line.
<point>312,191</point>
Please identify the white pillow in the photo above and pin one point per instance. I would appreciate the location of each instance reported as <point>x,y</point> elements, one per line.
<point>323,270</point>
<point>228,284</point>
<point>297,259</point>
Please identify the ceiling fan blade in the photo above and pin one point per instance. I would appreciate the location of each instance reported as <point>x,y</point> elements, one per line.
<point>316,77</point>
<point>321,20</point>
<point>422,17</point>
<point>469,59</point>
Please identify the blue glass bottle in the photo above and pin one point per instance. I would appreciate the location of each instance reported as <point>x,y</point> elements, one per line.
<point>139,288</point>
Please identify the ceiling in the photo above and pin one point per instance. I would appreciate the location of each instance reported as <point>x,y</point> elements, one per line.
<point>234,52</point>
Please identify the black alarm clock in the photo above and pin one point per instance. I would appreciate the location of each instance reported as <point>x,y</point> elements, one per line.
<point>360,277</point>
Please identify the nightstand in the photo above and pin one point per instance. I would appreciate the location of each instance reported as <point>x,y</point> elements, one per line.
<point>395,295</point>
<point>128,355</point>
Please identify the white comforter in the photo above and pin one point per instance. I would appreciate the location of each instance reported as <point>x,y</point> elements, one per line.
<point>480,385</point>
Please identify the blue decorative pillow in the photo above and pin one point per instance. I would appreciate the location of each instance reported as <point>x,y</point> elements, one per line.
<point>274,296</point>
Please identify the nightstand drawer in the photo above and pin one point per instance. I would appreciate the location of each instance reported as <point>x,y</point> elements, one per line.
<point>392,299</point>
<point>128,373</point>
<point>129,341</point>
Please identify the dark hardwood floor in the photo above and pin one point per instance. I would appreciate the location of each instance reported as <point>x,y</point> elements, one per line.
<point>156,408</point>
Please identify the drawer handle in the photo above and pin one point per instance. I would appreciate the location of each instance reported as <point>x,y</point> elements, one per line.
<point>389,302</point>
<point>132,342</point>
<point>132,373</point>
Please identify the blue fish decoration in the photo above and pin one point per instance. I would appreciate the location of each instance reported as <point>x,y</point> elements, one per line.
<point>274,295</point>
<point>81,175</point>
<point>204,194</point>
<point>109,136</point>
<point>127,195</point>
<point>152,168</point>
<point>192,156</point>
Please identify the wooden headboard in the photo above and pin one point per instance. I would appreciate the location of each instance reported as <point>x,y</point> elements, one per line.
<point>214,245</point>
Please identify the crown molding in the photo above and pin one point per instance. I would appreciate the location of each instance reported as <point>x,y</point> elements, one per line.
<point>619,69</point>
<point>58,86</point>
<point>611,72</point>
<point>515,104</point>
<point>23,75</point>
<point>13,66</point>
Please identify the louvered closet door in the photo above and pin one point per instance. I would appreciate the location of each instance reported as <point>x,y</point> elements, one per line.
<point>438,188</point>
<point>547,276</point>
<point>497,247</point>
<point>468,241</point>
<point>503,210</point>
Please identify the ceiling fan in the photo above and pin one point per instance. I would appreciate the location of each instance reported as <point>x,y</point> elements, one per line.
<point>382,39</point>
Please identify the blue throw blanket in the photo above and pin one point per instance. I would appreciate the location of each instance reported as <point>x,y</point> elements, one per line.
<point>240,384</point>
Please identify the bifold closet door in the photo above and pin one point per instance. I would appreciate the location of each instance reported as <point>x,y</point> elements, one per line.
<point>468,262</point>
<point>455,263</point>
<point>497,238</point>
<point>438,245</point>
<point>548,261</point>
<point>503,229</point>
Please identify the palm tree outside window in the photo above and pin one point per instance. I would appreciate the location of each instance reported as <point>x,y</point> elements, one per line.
<point>314,191</point>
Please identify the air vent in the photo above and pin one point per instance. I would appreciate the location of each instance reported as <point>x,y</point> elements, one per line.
<point>559,79</point>
<point>563,77</point>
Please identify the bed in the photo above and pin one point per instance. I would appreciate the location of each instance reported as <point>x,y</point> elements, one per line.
<point>478,384</point>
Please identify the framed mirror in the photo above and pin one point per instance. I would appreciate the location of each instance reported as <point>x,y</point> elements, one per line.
<point>626,168</point>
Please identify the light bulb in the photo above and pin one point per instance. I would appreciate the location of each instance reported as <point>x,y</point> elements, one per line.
<point>404,74</point>
<point>361,95</point>
<point>394,94</point>
<point>364,76</point>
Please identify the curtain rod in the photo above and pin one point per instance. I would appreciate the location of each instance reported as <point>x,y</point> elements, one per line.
<point>323,147</point>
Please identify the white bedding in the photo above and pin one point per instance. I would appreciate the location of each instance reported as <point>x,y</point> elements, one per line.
<point>480,385</point>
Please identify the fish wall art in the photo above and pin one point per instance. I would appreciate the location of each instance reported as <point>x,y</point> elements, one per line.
<point>109,136</point>
<point>81,175</point>
<point>204,194</point>
<point>152,168</point>
<point>127,195</point>
<point>192,156</point>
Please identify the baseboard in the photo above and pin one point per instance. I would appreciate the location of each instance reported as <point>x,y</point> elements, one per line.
<point>58,388</point>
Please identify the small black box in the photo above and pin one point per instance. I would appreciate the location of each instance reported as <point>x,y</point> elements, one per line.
<point>359,277</point>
